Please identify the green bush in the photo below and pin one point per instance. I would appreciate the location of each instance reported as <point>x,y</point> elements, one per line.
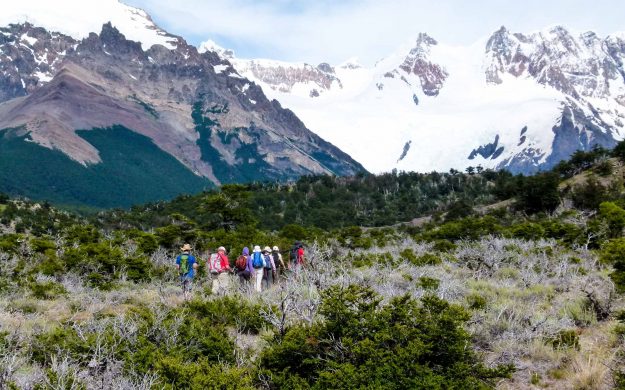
<point>10,242</point>
<point>41,245</point>
<point>426,259</point>
<point>613,252</point>
<point>228,311</point>
<point>614,216</point>
<point>476,301</point>
<point>428,283</point>
<point>46,290</point>
<point>567,338</point>
<point>527,231</point>
<point>406,344</point>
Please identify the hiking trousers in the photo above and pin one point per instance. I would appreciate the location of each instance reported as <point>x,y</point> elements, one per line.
<point>244,276</point>
<point>258,274</point>
<point>221,283</point>
<point>267,277</point>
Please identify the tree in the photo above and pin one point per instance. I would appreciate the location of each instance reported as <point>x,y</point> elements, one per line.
<point>619,151</point>
<point>230,207</point>
<point>539,193</point>
<point>614,216</point>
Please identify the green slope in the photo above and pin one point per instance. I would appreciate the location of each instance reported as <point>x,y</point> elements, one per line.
<point>133,170</point>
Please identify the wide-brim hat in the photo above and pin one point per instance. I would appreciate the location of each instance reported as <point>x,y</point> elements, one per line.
<point>221,248</point>
<point>257,248</point>
<point>267,249</point>
<point>185,247</point>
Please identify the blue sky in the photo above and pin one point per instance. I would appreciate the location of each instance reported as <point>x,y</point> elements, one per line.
<point>333,31</point>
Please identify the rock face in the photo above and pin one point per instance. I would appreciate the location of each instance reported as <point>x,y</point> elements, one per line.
<point>432,76</point>
<point>564,92</point>
<point>194,106</point>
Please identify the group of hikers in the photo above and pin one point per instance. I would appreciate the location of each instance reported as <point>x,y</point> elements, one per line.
<point>263,267</point>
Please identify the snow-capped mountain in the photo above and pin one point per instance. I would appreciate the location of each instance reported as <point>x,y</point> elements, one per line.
<point>65,72</point>
<point>516,101</point>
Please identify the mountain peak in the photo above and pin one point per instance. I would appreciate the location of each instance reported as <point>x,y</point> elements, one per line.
<point>425,39</point>
<point>80,18</point>
<point>213,46</point>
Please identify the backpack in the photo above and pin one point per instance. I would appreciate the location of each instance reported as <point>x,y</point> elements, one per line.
<point>241,262</point>
<point>276,259</point>
<point>257,261</point>
<point>215,263</point>
<point>293,254</point>
<point>184,265</point>
<point>268,262</point>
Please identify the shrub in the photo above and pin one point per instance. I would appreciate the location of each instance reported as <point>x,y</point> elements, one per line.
<point>528,231</point>
<point>614,216</point>
<point>405,344</point>
<point>443,246</point>
<point>10,242</point>
<point>428,283</point>
<point>567,338</point>
<point>41,245</point>
<point>613,252</point>
<point>46,290</point>
<point>589,195</point>
<point>230,311</point>
<point>426,259</point>
<point>476,301</point>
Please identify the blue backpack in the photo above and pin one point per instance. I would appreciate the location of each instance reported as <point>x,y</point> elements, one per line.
<point>268,262</point>
<point>257,260</point>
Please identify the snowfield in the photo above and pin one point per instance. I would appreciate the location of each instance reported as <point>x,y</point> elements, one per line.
<point>373,116</point>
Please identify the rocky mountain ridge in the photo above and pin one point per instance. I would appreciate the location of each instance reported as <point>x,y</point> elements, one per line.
<point>193,106</point>
<point>538,97</point>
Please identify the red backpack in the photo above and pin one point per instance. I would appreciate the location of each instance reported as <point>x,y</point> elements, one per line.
<point>241,262</point>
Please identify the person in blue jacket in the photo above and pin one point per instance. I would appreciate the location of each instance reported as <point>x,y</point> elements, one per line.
<point>186,265</point>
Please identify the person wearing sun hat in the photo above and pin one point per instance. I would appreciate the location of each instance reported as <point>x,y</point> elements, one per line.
<point>258,262</point>
<point>219,266</point>
<point>269,269</point>
<point>278,262</point>
<point>186,266</point>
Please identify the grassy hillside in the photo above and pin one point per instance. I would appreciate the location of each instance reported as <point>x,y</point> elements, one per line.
<point>525,293</point>
<point>133,171</point>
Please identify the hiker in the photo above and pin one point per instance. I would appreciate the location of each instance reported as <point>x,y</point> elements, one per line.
<point>258,263</point>
<point>243,266</point>
<point>269,269</point>
<point>279,263</point>
<point>220,268</point>
<point>296,256</point>
<point>186,266</point>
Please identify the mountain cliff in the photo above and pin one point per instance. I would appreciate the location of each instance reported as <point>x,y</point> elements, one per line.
<point>190,106</point>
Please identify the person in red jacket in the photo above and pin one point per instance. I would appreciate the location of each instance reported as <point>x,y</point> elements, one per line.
<point>219,266</point>
<point>296,257</point>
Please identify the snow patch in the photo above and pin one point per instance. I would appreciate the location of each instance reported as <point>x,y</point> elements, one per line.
<point>42,77</point>
<point>235,75</point>
<point>220,68</point>
<point>78,18</point>
<point>31,41</point>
